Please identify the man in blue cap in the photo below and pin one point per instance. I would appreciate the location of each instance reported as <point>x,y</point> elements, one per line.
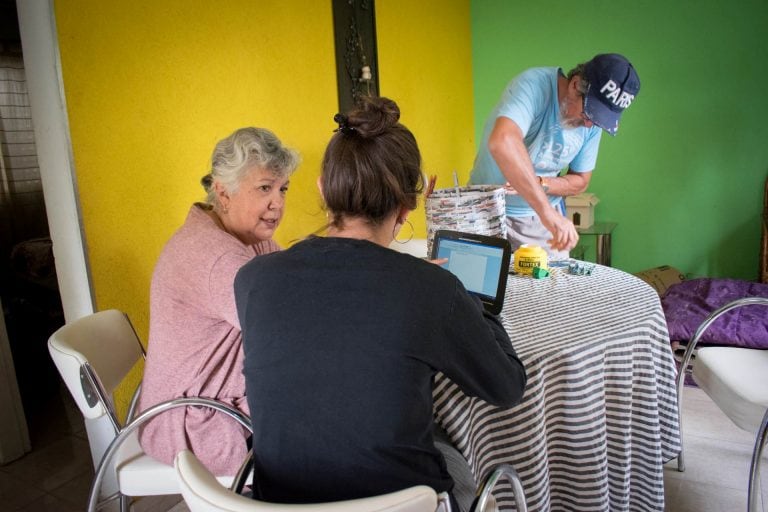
<point>548,121</point>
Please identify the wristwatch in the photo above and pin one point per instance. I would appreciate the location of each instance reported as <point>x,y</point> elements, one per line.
<point>543,183</point>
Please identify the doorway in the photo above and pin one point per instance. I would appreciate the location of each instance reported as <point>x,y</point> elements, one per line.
<point>29,293</point>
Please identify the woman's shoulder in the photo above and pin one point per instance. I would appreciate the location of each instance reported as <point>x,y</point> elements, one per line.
<point>270,257</point>
<point>200,232</point>
<point>200,244</point>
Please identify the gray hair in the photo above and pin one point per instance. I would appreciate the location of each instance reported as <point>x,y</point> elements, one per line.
<point>235,157</point>
<point>583,84</point>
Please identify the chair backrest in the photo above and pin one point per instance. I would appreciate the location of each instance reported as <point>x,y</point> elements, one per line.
<point>105,341</point>
<point>202,492</point>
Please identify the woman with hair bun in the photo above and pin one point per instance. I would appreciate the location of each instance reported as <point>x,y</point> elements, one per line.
<point>343,336</point>
<point>195,345</point>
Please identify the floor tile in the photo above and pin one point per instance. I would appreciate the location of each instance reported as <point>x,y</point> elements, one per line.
<point>53,465</point>
<point>75,491</point>
<point>160,504</point>
<point>717,455</point>
<point>181,507</point>
<point>765,498</point>
<point>702,417</point>
<point>691,496</point>
<point>49,503</point>
<point>15,493</point>
<point>714,461</point>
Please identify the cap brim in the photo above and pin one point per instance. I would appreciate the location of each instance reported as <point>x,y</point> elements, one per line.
<point>601,114</point>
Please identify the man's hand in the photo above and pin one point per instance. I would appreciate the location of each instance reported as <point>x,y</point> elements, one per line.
<point>564,234</point>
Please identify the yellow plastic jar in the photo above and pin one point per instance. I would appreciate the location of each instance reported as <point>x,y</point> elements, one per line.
<point>529,256</point>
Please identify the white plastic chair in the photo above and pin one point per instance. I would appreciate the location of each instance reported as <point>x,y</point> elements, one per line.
<point>736,379</point>
<point>202,493</point>
<point>93,355</point>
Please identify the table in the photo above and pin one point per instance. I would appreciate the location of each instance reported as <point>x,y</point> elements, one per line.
<point>602,232</point>
<point>599,415</point>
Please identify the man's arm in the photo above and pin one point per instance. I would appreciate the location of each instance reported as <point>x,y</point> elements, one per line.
<point>571,184</point>
<point>508,150</point>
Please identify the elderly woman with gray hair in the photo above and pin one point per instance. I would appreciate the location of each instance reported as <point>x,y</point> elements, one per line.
<point>195,345</point>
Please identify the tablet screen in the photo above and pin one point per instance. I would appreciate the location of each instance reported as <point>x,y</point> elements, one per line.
<point>480,262</point>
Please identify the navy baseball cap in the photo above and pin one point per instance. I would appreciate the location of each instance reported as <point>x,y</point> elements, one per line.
<point>613,85</point>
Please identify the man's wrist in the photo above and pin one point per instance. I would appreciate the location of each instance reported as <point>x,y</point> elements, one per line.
<point>544,182</point>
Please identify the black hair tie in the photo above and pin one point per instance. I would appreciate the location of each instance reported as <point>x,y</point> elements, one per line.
<point>343,122</point>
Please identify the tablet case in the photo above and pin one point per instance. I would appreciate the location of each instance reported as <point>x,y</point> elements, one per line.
<point>463,249</point>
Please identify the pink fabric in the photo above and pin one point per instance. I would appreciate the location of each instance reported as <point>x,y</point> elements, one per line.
<point>195,347</point>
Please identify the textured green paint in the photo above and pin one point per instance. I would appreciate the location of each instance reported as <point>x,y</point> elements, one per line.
<point>684,176</point>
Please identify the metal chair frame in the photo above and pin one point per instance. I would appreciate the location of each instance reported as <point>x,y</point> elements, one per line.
<point>754,468</point>
<point>94,392</point>
<point>485,489</point>
<point>122,434</point>
<point>760,440</point>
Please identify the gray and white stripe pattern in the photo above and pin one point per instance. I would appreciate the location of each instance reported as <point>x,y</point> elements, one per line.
<point>599,415</point>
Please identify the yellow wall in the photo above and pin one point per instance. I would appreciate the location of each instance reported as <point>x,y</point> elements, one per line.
<point>425,65</point>
<point>152,85</point>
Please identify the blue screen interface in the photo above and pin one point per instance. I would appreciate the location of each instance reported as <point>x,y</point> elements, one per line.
<point>476,265</point>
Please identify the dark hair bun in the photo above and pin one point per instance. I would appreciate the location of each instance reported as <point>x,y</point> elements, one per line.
<point>207,182</point>
<point>374,116</point>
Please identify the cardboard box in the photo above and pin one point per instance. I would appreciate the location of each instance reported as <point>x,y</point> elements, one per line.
<point>661,278</point>
<point>581,209</point>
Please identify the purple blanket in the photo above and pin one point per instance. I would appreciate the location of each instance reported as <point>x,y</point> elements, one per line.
<point>687,304</point>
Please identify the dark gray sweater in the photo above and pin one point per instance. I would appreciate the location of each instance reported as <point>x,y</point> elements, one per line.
<point>342,340</point>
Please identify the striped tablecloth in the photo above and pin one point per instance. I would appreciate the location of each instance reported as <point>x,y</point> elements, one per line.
<point>599,415</point>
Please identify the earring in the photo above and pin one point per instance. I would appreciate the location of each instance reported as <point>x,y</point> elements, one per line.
<point>394,235</point>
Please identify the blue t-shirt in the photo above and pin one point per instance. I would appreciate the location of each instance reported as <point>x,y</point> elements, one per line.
<point>530,100</point>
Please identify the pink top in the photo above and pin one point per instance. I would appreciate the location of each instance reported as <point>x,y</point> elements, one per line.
<point>195,347</point>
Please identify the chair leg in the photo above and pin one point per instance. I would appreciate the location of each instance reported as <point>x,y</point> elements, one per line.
<point>753,497</point>
<point>680,384</point>
<point>125,503</point>
<point>484,497</point>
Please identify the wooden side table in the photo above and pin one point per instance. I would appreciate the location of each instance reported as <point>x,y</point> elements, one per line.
<point>602,233</point>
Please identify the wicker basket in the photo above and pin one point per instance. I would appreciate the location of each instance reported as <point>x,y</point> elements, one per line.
<point>474,209</point>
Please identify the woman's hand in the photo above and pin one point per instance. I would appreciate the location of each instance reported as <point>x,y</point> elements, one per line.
<point>439,261</point>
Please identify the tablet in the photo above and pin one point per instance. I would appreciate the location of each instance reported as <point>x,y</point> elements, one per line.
<point>480,262</point>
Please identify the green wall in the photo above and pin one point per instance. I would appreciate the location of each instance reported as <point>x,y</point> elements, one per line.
<point>684,176</point>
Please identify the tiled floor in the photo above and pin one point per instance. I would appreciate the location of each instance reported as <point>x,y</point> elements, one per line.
<point>717,458</point>
<point>56,475</point>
